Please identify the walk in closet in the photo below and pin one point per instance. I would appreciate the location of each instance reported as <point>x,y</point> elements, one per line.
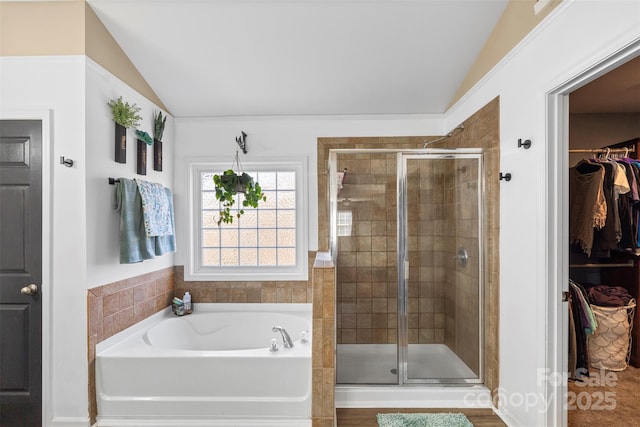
<point>604,243</point>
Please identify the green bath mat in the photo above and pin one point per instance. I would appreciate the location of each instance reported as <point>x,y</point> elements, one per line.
<point>444,419</point>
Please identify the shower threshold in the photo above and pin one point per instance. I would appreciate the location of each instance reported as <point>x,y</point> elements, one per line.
<point>366,378</point>
<point>377,363</point>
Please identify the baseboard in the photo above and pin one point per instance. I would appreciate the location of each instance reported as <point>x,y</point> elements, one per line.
<point>506,418</point>
<point>70,422</point>
<point>475,396</point>
<point>202,423</point>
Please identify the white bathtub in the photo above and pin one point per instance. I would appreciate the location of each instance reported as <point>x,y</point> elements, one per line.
<point>212,367</point>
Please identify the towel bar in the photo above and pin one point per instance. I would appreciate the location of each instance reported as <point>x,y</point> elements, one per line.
<point>112,181</point>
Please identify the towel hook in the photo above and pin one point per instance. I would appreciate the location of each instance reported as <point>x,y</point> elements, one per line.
<point>67,162</point>
<point>526,144</point>
<point>242,142</point>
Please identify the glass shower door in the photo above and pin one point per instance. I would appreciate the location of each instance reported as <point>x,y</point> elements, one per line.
<point>440,269</point>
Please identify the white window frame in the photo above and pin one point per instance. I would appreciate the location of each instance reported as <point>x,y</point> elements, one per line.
<point>196,271</point>
<point>347,213</point>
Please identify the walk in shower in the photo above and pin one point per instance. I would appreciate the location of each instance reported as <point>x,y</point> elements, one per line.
<point>406,233</point>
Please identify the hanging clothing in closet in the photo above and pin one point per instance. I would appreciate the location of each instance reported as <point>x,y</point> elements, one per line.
<point>604,206</point>
<point>582,322</point>
<point>587,204</point>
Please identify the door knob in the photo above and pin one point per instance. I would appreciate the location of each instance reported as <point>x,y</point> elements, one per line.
<point>29,290</point>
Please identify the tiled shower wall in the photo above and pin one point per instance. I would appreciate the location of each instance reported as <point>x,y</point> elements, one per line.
<point>481,131</point>
<point>460,285</point>
<point>367,271</point>
<point>427,244</point>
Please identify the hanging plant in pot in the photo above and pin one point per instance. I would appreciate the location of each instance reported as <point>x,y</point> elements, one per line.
<point>227,185</point>
<point>125,116</point>
<point>158,130</point>
<point>144,139</point>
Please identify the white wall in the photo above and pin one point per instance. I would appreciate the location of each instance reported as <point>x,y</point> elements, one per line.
<point>103,224</point>
<point>84,230</point>
<point>57,84</point>
<point>574,37</point>
<point>274,138</point>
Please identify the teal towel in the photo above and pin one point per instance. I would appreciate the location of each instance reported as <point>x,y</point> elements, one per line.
<point>135,245</point>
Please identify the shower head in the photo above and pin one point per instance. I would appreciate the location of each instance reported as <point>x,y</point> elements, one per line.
<point>449,135</point>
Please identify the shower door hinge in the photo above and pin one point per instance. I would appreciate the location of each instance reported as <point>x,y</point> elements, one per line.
<point>565,296</point>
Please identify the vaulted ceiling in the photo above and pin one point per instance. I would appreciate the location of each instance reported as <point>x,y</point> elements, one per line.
<point>207,58</point>
<point>302,57</point>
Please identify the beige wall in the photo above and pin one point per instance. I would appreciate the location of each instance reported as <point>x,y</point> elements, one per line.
<point>102,48</point>
<point>518,20</point>
<point>66,28</point>
<point>42,28</point>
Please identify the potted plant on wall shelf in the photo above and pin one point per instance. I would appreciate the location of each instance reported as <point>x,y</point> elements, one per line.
<point>125,116</point>
<point>144,139</point>
<point>158,130</point>
<point>228,184</point>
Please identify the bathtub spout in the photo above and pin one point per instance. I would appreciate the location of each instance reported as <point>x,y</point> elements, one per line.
<point>286,339</point>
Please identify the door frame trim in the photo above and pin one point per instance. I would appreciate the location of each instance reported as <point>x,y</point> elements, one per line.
<point>45,117</point>
<point>557,234</point>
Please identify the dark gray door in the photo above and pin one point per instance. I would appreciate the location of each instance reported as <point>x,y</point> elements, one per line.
<point>20,273</point>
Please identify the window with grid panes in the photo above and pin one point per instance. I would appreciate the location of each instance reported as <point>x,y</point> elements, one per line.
<point>265,241</point>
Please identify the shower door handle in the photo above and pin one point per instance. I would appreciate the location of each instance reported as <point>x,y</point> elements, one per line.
<point>462,257</point>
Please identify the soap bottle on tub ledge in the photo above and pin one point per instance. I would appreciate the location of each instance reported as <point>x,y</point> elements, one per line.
<point>186,300</point>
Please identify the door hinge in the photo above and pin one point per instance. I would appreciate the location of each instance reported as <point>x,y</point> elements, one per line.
<point>565,296</point>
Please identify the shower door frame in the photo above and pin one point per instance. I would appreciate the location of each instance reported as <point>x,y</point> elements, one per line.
<point>402,339</point>
<point>403,262</point>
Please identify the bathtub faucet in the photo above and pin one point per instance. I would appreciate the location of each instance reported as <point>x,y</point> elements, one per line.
<point>286,339</point>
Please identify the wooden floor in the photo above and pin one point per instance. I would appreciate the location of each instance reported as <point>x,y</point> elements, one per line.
<point>366,417</point>
<point>608,398</point>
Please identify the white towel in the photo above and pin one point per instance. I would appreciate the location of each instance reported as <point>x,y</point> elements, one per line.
<point>155,209</point>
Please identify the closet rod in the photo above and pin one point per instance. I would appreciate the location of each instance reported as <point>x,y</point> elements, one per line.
<point>619,264</point>
<point>604,150</point>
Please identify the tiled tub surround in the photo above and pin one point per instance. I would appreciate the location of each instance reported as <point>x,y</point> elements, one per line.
<point>114,307</point>
<point>323,342</point>
<point>243,292</point>
<point>238,292</point>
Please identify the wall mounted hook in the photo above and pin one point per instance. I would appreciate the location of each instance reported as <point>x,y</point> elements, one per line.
<point>67,162</point>
<point>242,142</point>
<point>506,176</point>
<point>526,144</point>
